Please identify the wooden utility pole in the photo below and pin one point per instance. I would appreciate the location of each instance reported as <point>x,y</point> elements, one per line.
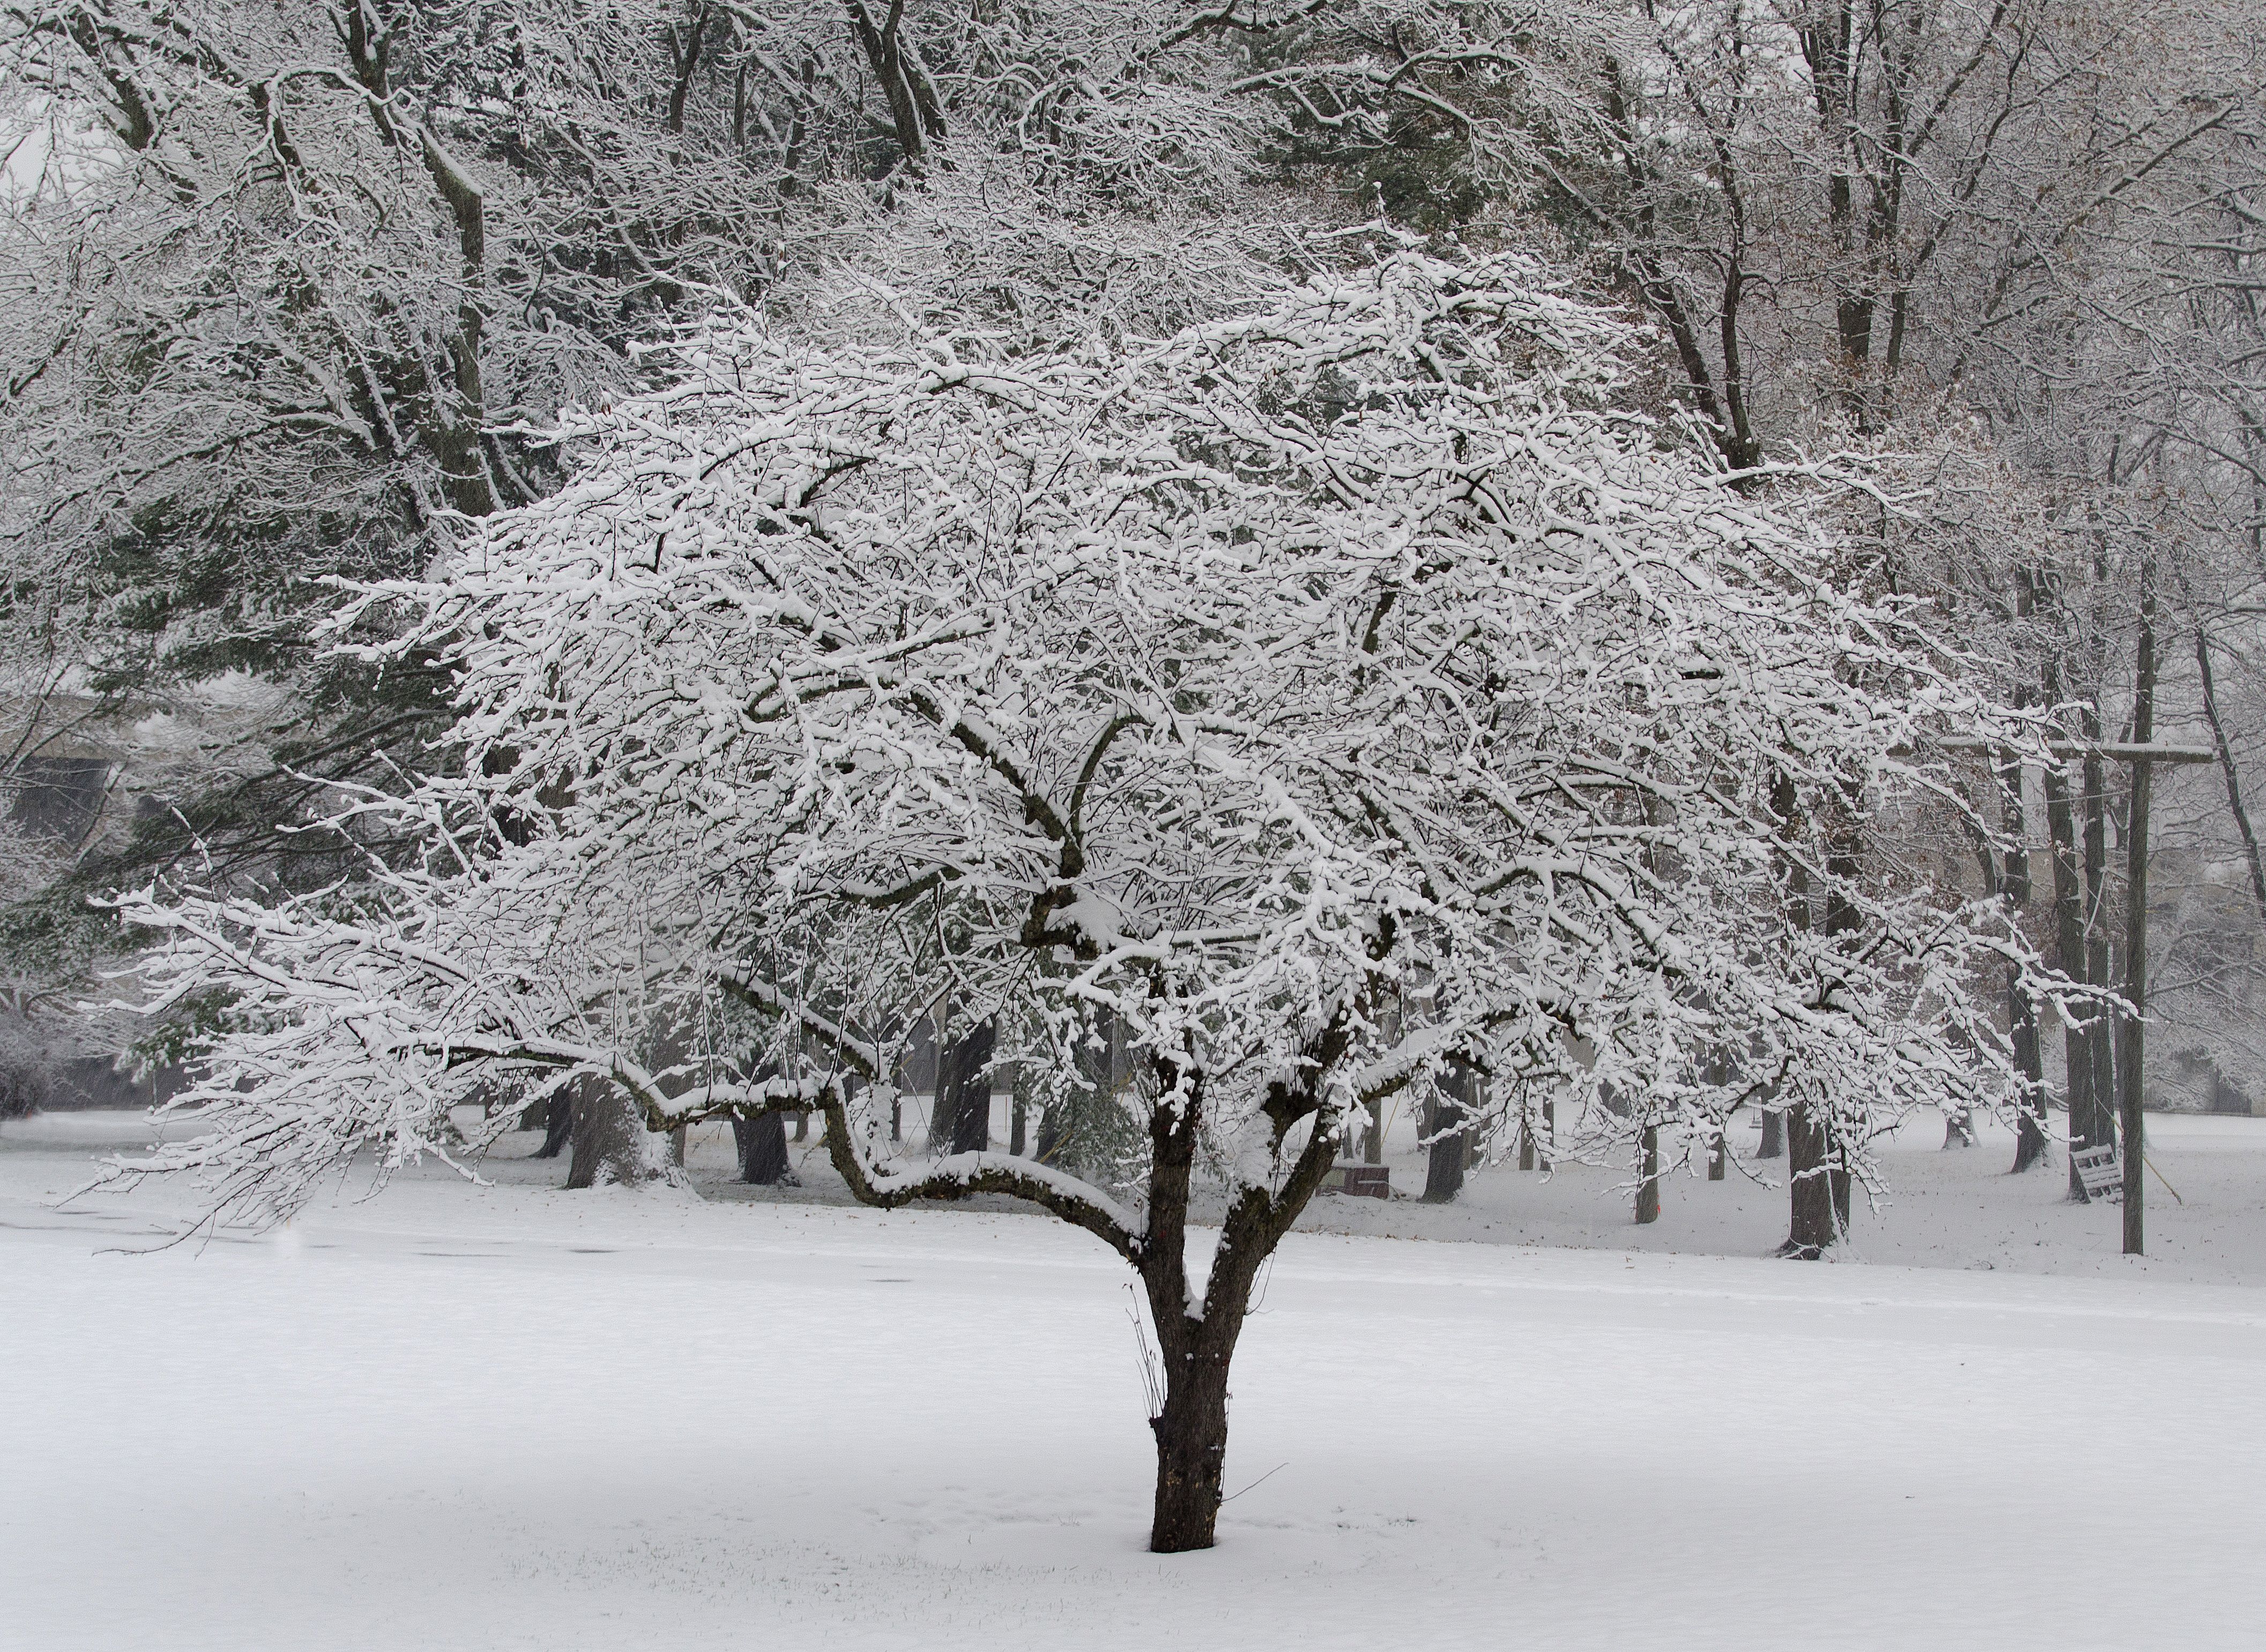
<point>2143,753</point>
<point>2135,918</point>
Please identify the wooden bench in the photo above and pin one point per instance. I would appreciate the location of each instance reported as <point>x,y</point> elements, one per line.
<point>1359,1182</point>
<point>2100,1173</point>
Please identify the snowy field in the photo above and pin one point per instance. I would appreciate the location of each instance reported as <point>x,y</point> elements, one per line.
<point>452,1417</point>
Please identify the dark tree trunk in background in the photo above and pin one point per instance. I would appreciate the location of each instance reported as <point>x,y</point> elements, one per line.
<point>2029,1059</point>
<point>557,1128</point>
<point>1773,1134</point>
<point>1719,1147</point>
<point>762,1142</point>
<point>2069,947</point>
<point>1373,1138</point>
<point>1648,1170</point>
<point>961,1122</point>
<point>1456,1101</point>
<point>1018,1110</point>
<point>2015,885</point>
<point>2099,1126</point>
<point>1818,1182</point>
<point>608,1136</point>
<point>1810,1181</point>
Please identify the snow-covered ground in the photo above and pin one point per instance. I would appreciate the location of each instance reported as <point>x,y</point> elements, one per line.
<point>452,1417</point>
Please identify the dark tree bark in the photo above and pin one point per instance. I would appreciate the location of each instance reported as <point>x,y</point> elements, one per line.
<point>762,1142</point>
<point>1648,1187</point>
<point>2100,1123</point>
<point>1773,1144</point>
<point>2069,945</point>
<point>609,1136</point>
<point>1048,1150</point>
<point>962,1122</point>
<point>1372,1133</point>
<point>1191,1422</point>
<point>2228,771</point>
<point>1819,1185</point>
<point>557,1128</point>
<point>1456,1100</point>
<point>2021,1012</point>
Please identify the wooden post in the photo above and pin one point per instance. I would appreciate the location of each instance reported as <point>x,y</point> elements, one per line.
<point>2136,918</point>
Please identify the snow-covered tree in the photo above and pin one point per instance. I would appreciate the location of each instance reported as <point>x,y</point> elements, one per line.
<point>1315,698</point>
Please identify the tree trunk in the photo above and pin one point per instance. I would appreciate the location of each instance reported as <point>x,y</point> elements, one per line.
<point>1373,1138</point>
<point>1813,1228</point>
<point>1773,1144</point>
<point>1191,1447</point>
<point>762,1142</point>
<point>2029,1060</point>
<point>1443,1168</point>
<point>2069,950</point>
<point>961,1122</point>
<point>2100,1121</point>
<point>1648,1187</point>
<point>557,1129</point>
<point>1718,1153</point>
<point>608,1135</point>
<point>2022,1014</point>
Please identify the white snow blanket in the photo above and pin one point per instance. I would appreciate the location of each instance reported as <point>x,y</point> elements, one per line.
<point>458,1418</point>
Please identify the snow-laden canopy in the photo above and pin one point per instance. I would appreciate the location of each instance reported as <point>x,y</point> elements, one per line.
<point>1322,695</point>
